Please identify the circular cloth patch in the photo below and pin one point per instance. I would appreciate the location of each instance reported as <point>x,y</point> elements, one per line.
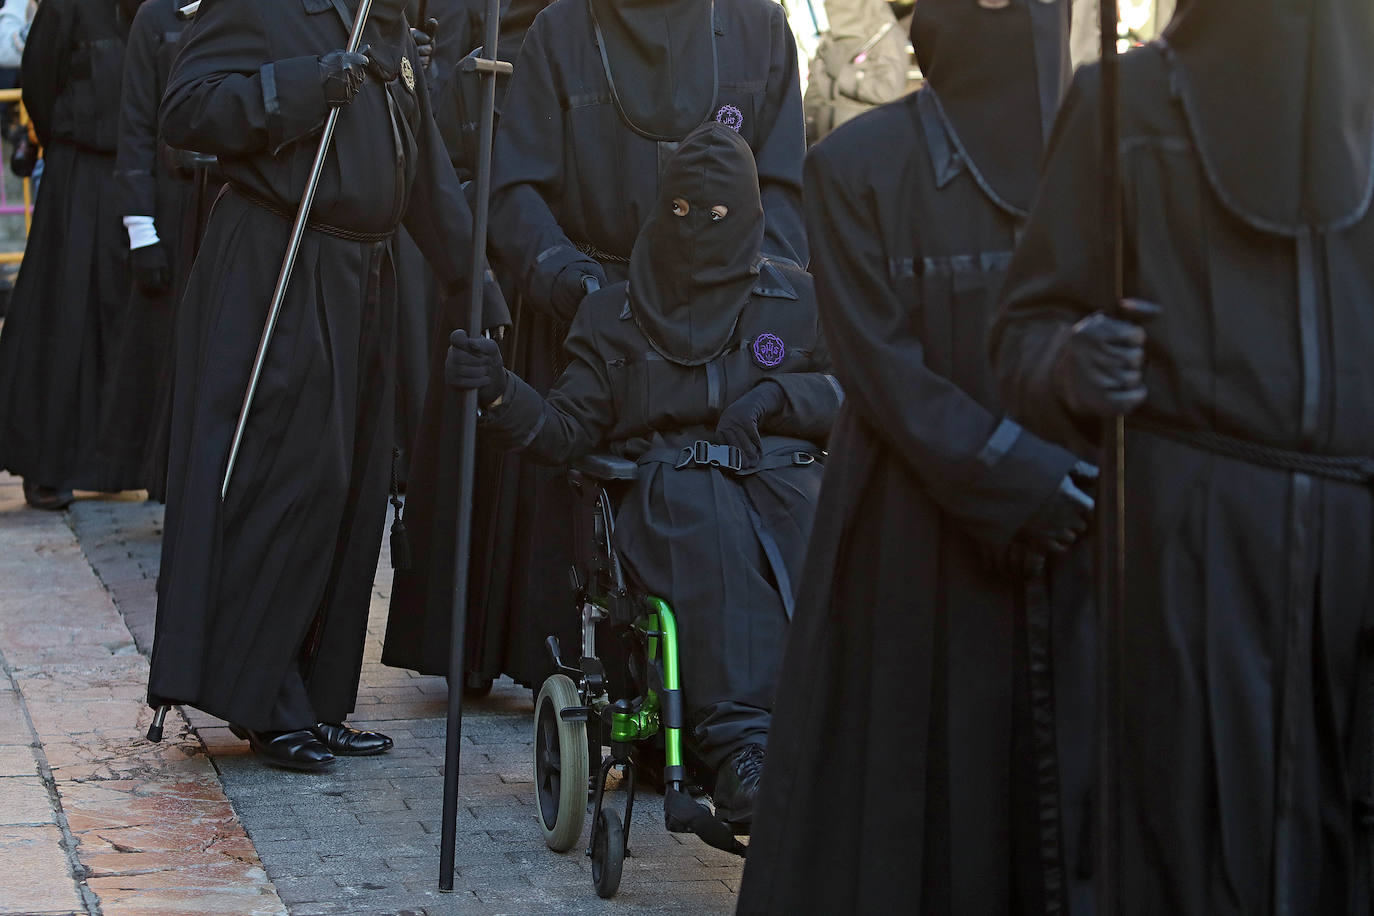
<point>731,117</point>
<point>769,350</point>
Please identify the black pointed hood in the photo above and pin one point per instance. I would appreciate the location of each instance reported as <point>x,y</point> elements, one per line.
<point>660,61</point>
<point>691,275</point>
<point>999,74</point>
<point>1279,96</point>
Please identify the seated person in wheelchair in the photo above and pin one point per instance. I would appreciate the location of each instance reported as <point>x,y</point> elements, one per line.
<point>706,344</point>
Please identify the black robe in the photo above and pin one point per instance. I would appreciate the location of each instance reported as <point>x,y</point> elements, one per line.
<point>1247,588</point>
<point>567,169</point>
<point>901,773</point>
<point>263,599</point>
<point>62,327</point>
<point>134,424</point>
<point>721,549</point>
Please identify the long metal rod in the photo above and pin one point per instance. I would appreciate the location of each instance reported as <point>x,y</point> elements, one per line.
<point>1111,527</point>
<point>467,458</point>
<point>289,261</point>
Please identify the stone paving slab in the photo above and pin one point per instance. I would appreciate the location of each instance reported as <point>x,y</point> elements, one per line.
<point>364,838</point>
<point>98,820</point>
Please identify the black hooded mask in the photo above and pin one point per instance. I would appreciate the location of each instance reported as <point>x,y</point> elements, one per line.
<point>660,62</point>
<point>1279,96</point>
<point>999,75</point>
<point>691,274</point>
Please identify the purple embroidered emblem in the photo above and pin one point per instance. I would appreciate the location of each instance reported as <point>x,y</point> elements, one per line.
<point>769,350</point>
<point>731,117</point>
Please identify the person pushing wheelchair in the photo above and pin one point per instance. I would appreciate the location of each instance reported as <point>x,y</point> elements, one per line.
<point>709,371</point>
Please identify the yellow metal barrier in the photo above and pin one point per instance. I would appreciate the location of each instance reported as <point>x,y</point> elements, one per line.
<point>16,96</point>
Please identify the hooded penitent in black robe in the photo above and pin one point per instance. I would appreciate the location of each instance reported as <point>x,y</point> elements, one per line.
<point>650,368</point>
<point>1245,762</point>
<point>262,603</point>
<point>61,328</point>
<point>154,183</point>
<point>903,772</point>
<point>570,169</point>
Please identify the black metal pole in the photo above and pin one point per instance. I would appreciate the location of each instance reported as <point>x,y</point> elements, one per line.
<point>487,68</point>
<point>1111,515</point>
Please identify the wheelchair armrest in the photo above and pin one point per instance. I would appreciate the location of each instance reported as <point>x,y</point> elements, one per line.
<point>605,468</point>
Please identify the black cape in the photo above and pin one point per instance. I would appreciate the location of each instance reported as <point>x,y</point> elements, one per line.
<point>698,538</point>
<point>61,331</point>
<point>262,603</point>
<point>1247,588</point>
<point>156,182</point>
<point>904,771</point>
<point>591,183</point>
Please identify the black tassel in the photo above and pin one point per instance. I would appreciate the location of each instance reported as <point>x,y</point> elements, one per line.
<point>400,545</point>
<point>400,541</point>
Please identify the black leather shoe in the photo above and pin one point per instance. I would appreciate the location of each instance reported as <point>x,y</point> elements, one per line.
<point>40,497</point>
<point>737,784</point>
<point>349,742</point>
<point>298,750</point>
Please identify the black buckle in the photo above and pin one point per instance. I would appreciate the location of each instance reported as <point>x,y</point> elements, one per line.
<point>708,454</point>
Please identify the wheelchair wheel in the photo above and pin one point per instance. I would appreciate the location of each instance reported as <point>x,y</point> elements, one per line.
<point>608,853</point>
<point>560,765</point>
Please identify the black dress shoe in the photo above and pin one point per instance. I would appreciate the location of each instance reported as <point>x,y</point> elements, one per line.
<point>737,785</point>
<point>297,750</point>
<point>40,497</point>
<point>349,742</point>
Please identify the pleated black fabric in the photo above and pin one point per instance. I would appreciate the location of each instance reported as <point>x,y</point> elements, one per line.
<point>911,767</point>
<point>567,170</point>
<point>135,419</point>
<point>60,337</point>
<point>263,598</point>
<point>1248,603</point>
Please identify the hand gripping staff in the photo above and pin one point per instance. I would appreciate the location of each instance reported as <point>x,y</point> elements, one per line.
<point>1111,519</point>
<point>289,262</point>
<point>279,294</point>
<point>487,67</point>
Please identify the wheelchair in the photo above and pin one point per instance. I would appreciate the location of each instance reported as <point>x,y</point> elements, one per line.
<point>576,717</point>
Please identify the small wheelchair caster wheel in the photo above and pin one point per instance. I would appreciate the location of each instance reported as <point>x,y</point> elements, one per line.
<point>560,765</point>
<point>608,854</point>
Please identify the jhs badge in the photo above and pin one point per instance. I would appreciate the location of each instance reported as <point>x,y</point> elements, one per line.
<point>408,73</point>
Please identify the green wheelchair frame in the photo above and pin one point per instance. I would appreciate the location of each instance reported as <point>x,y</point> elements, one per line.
<point>575,716</point>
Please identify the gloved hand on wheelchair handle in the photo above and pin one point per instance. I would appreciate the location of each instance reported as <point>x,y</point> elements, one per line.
<point>572,285</point>
<point>475,363</point>
<point>739,423</point>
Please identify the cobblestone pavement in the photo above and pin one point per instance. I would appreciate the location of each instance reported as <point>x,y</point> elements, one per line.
<point>364,838</point>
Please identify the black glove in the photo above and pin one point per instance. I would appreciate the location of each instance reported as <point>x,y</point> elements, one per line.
<point>152,270</point>
<point>475,362</point>
<point>574,282</point>
<point>739,423</point>
<point>424,42</point>
<point>1099,371</point>
<point>342,73</point>
<point>24,159</point>
<point>1064,516</point>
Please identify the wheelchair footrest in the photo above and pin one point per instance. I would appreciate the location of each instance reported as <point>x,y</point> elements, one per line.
<point>681,814</point>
